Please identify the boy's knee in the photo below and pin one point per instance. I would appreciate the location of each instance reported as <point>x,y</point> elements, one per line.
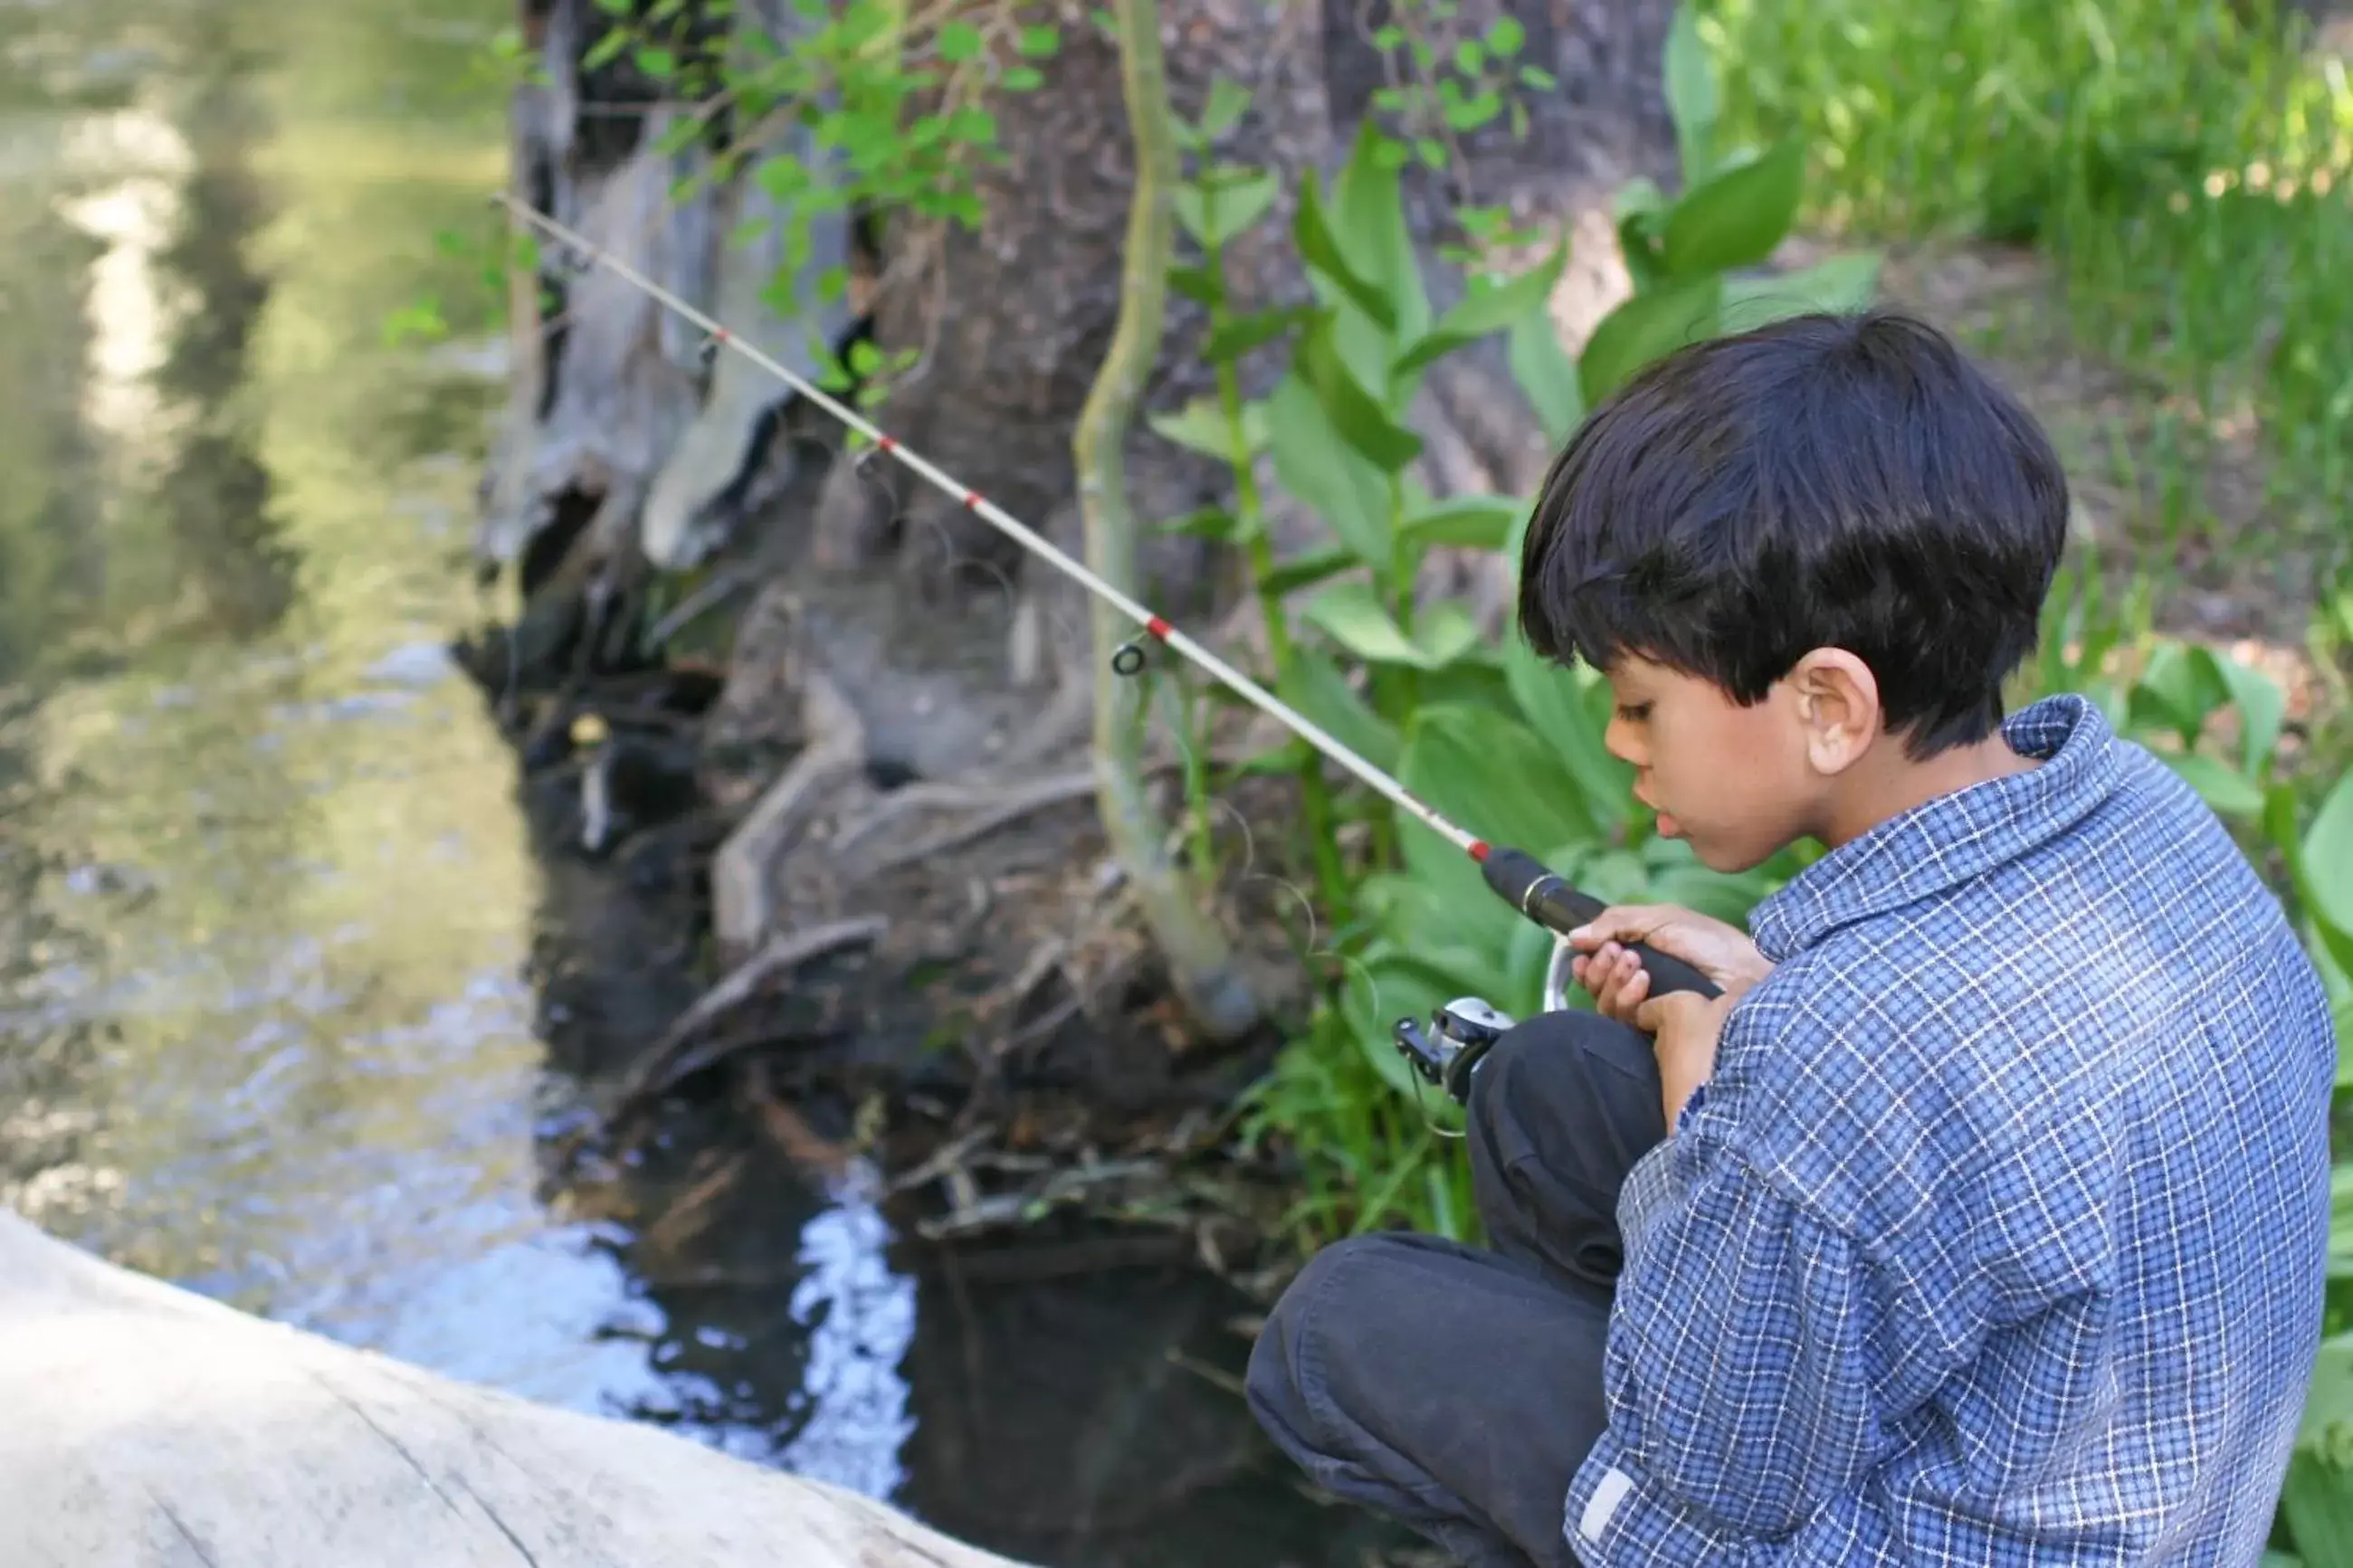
<point>1297,1337</point>
<point>1561,1064</point>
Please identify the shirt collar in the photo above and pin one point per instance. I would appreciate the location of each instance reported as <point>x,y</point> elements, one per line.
<point>1946,841</point>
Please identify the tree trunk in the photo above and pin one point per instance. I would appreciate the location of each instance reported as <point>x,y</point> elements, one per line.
<point>147,1425</point>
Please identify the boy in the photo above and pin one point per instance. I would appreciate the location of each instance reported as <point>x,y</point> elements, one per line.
<point>1991,1226</point>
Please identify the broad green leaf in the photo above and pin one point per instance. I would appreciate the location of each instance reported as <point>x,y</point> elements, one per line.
<point>1381,989</point>
<point>1471,522</point>
<point>1227,101</point>
<point>1691,98</point>
<point>1201,426</point>
<point>1738,218</point>
<point>1200,284</point>
<point>2317,1497</point>
<point>1491,774</point>
<point>1369,218</point>
<point>958,42</point>
<point>1840,284</point>
<point>1302,571</point>
<point>1318,466</point>
<point>1237,337</point>
<point>2262,705</point>
<point>1560,705</point>
<point>1569,708</point>
<point>1445,632</point>
<point>2228,792</point>
<point>1319,248</point>
<point>1352,411</point>
<point>1450,896</point>
<point>1490,309</point>
<point>1546,374</point>
<point>1353,615</point>
<point>1204,522</point>
<point>1644,329</point>
<point>2327,859</point>
<point>2179,691</point>
<point>1213,216</point>
<point>1317,687</point>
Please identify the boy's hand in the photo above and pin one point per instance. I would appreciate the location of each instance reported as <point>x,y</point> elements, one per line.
<point>1615,978</point>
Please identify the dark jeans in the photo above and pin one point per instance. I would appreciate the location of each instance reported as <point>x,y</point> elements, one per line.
<point>1457,1389</point>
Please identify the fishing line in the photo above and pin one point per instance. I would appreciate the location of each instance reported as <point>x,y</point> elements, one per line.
<point>1515,876</point>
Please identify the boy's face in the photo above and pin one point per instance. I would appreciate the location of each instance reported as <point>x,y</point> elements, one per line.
<point>1735,782</point>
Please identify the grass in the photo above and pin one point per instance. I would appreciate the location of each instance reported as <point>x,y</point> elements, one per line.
<point>2187,170</point>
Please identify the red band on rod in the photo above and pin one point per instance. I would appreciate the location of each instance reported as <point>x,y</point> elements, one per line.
<point>1157,628</point>
<point>972,500</point>
<point>1479,850</point>
<point>887,443</point>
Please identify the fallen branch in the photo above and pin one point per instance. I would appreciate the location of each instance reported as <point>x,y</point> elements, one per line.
<point>667,1063</point>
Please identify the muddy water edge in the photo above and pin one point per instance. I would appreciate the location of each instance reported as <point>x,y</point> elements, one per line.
<point>308,990</point>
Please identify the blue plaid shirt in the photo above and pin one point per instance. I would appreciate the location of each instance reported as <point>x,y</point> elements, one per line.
<point>1998,1237</point>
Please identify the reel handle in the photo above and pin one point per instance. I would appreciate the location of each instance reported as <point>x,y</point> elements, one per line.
<point>1520,881</point>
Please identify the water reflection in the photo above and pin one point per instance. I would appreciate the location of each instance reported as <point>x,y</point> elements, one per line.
<point>286,949</point>
<point>265,899</point>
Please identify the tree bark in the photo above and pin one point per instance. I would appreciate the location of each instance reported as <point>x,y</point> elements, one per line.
<point>960,659</point>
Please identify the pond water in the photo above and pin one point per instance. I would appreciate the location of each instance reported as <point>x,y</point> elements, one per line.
<point>283,958</point>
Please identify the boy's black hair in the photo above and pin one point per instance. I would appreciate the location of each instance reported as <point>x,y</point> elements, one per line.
<point>1826,481</point>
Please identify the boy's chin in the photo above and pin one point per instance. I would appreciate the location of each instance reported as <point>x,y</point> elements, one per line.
<point>1727,859</point>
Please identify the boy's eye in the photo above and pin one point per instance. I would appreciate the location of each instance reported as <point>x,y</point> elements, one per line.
<point>1633,713</point>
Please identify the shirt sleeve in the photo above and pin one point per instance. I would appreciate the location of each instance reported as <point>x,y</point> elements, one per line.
<point>1740,1378</point>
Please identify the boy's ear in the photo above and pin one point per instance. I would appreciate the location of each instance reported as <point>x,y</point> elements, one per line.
<point>1837,699</point>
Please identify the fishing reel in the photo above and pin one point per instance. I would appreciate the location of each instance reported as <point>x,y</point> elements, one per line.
<point>1457,1038</point>
<point>1448,1051</point>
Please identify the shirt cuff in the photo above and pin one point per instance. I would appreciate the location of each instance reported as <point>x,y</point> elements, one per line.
<point>1691,1109</point>
<point>1615,1516</point>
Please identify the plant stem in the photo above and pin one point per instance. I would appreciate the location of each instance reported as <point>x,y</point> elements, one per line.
<point>1200,961</point>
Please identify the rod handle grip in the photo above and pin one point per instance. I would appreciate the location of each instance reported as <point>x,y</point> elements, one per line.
<point>1520,881</point>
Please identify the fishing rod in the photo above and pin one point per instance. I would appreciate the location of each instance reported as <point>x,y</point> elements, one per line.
<point>1517,877</point>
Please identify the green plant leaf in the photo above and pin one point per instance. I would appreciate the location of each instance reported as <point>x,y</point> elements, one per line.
<point>1227,101</point>
<point>1204,522</point>
<point>1352,411</point>
<point>1383,987</point>
<point>1319,248</point>
<point>1200,284</point>
<point>1318,466</point>
<point>1569,708</point>
<point>1214,216</point>
<point>1490,309</point>
<point>1318,688</point>
<point>1352,615</point>
<point>958,42</point>
<point>1470,522</point>
<point>1838,284</point>
<point>1237,337</point>
<point>2327,859</point>
<point>1445,633</point>
<point>1546,374</point>
<point>2177,691</point>
<point>2262,705</point>
<point>1304,571</point>
<point>1491,774</point>
<point>1644,329</point>
<point>1692,98</point>
<point>2228,792</point>
<point>1201,426</point>
<point>1738,218</point>
<point>1369,220</point>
